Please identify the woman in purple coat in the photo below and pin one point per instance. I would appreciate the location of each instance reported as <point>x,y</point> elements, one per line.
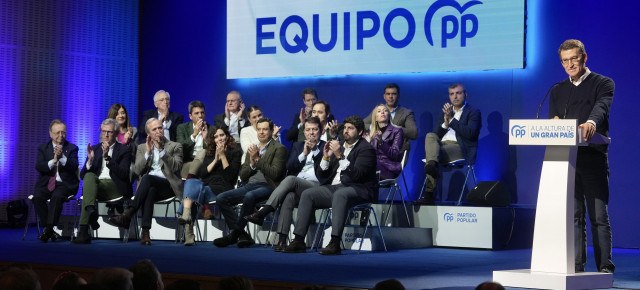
<point>387,139</point>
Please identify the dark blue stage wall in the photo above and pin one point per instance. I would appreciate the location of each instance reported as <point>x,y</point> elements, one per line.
<point>68,60</point>
<point>183,50</point>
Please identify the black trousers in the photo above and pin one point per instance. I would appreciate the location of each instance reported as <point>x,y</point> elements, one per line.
<point>592,199</point>
<point>50,215</point>
<point>150,189</point>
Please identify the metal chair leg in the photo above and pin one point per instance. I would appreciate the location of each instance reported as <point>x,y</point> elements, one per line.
<point>464,186</point>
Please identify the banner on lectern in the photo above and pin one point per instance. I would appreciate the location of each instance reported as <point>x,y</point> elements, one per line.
<point>543,132</point>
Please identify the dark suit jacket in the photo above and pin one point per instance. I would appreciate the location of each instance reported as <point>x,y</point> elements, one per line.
<point>171,164</point>
<point>68,172</point>
<point>389,151</point>
<point>360,174</point>
<point>404,118</point>
<point>467,131</point>
<point>176,119</point>
<point>185,130</point>
<point>271,164</point>
<point>219,121</point>
<point>119,167</point>
<point>293,164</point>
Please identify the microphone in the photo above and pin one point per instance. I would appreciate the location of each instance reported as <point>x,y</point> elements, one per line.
<point>566,106</point>
<point>545,98</point>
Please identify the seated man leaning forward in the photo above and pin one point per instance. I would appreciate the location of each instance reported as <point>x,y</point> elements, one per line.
<point>455,137</point>
<point>158,163</point>
<point>263,170</point>
<point>303,159</point>
<point>348,178</point>
<point>192,135</point>
<point>105,175</point>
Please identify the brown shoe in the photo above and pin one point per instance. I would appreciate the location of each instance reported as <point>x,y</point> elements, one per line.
<point>333,248</point>
<point>296,246</point>
<point>281,245</point>
<point>146,238</point>
<point>123,220</point>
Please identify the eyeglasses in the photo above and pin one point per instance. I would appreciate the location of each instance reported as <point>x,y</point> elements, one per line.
<point>573,60</point>
<point>163,99</point>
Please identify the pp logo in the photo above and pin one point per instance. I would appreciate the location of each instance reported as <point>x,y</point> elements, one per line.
<point>448,217</point>
<point>467,26</point>
<point>518,131</point>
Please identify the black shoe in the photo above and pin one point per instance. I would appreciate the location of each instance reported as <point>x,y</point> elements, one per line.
<point>333,248</point>
<point>255,218</point>
<point>431,168</point>
<point>54,236</point>
<point>281,245</point>
<point>227,240</point>
<point>93,217</point>
<point>579,269</point>
<point>296,246</point>
<point>426,199</point>
<point>607,270</point>
<point>82,239</point>
<point>245,240</point>
<point>47,234</point>
<point>146,238</point>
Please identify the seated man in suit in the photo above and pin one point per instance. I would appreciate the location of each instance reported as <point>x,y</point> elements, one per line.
<point>303,158</point>
<point>57,167</point>
<point>348,177</point>
<point>400,116</point>
<point>329,128</point>
<point>169,120</point>
<point>309,96</point>
<point>262,170</point>
<point>158,163</point>
<point>455,137</point>
<point>192,135</point>
<point>234,117</point>
<point>105,175</point>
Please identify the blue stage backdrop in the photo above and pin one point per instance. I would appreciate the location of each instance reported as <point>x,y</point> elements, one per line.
<point>67,60</point>
<point>183,50</point>
<point>73,59</point>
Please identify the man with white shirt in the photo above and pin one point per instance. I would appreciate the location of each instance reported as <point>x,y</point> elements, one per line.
<point>158,163</point>
<point>169,120</point>
<point>57,166</point>
<point>303,158</point>
<point>455,137</point>
<point>347,175</point>
<point>234,117</point>
<point>105,176</point>
<point>192,135</point>
<point>263,169</point>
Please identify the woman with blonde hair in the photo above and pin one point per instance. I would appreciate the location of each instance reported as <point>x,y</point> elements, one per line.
<point>387,139</point>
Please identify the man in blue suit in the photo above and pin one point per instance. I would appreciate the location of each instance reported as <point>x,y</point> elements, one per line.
<point>58,168</point>
<point>303,158</point>
<point>455,137</point>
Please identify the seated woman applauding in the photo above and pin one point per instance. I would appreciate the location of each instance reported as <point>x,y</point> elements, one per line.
<point>386,138</point>
<point>214,170</point>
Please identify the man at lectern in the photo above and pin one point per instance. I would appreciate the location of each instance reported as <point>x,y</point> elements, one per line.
<point>587,96</point>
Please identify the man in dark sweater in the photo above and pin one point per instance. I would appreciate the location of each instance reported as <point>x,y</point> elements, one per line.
<point>587,96</point>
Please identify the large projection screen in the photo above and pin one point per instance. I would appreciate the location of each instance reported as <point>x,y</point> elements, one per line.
<point>286,38</point>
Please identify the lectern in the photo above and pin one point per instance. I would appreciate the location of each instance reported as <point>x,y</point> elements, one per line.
<point>552,257</point>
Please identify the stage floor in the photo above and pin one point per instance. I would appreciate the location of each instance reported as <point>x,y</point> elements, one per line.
<point>430,268</point>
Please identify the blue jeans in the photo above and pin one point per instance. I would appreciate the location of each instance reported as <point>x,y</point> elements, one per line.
<point>197,191</point>
<point>249,195</point>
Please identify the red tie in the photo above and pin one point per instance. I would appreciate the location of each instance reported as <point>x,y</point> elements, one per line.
<point>52,181</point>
